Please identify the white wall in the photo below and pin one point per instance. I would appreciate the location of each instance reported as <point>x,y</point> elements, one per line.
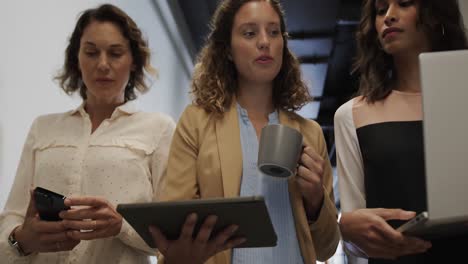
<point>34,37</point>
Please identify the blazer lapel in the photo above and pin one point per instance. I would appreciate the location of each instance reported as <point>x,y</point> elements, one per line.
<point>230,152</point>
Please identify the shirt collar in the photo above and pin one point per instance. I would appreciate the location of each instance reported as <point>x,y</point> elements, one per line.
<point>127,108</point>
<point>272,117</point>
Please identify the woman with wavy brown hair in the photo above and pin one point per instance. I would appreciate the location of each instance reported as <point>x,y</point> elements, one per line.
<point>102,153</point>
<point>246,78</point>
<point>379,133</point>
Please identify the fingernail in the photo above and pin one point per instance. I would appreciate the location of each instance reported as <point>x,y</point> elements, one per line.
<point>151,229</point>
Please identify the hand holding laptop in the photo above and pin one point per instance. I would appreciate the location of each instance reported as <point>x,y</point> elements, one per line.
<point>186,249</point>
<point>368,230</point>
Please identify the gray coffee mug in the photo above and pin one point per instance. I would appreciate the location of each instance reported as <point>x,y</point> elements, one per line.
<point>279,150</point>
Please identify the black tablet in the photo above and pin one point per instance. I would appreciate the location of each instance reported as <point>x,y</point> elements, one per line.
<point>249,213</point>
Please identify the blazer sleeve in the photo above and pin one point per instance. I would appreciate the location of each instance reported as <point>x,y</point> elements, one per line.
<point>181,179</point>
<point>324,229</point>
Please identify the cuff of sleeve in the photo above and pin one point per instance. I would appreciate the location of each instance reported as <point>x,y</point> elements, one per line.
<point>351,249</point>
<point>9,254</point>
<point>325,212</point>
<point>128,234</point>
<point>130,237</point>
<point>324,230</point>
<point>124,230</point>
<point>160,257</point>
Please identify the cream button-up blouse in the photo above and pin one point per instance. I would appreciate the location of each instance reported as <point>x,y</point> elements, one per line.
<point>123,160</point>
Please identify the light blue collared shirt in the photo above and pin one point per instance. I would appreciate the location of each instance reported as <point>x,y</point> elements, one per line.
<point>276,194</point>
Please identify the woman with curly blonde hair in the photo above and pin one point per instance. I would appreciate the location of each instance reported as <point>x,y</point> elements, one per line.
<point>247,78</point>
<point>215,80</point>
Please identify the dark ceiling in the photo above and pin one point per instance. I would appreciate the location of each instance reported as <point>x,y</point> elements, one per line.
<point>321,35</point>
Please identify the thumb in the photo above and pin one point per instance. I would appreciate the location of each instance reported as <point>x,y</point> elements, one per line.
<point>395,214</point>
<point>31,211</point>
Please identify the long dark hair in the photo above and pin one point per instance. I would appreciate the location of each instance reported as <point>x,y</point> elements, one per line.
<point>442,23</point>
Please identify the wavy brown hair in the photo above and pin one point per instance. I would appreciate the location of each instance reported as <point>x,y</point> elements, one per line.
<point>70,76</point>
<point>214,83</point>
<point>440,20</point>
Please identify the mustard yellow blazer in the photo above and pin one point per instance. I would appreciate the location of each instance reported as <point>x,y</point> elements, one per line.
<point>205,161</point>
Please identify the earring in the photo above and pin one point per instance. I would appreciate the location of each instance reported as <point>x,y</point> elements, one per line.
<point>443,29</point>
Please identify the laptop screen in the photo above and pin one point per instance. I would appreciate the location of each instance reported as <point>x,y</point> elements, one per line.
<point>444,78</point>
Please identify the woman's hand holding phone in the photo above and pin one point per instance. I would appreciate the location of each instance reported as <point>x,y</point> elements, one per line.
<point>367,228</point>
<point>90,218</point>
<point>44,230</point>
<point>37,235</point>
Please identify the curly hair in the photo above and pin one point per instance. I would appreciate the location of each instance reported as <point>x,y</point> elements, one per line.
<point>214,82</point>
<point>70,79</point>
<point>442,23</point>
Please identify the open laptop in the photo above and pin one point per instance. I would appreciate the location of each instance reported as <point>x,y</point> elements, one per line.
<point>444,78</point>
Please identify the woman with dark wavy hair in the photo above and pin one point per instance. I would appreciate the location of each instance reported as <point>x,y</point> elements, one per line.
<point>379,133</point>
<point>246,78</point>
<point>102,153</point>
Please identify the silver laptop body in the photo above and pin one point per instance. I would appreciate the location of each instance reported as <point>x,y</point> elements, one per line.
<point>444,78</point>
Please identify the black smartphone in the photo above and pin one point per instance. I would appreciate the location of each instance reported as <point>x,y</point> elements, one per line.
<point>49,204</point>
